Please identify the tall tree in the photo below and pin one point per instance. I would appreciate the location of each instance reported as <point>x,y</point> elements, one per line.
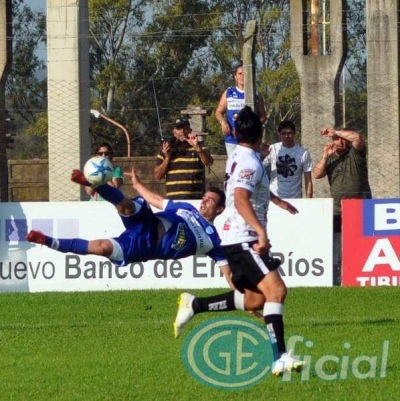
<point>110,24</point>
<point>26,86</point>
<point>151,59</point>
<point>161,52</point>
<point>276,77</point>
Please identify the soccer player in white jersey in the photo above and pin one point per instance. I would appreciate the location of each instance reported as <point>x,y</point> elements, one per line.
<point>246,243</point>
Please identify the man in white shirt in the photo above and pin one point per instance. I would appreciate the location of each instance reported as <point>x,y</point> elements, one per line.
<point>287,162</point>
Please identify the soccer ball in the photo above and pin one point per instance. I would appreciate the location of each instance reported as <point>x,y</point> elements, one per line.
<point>98,170</point>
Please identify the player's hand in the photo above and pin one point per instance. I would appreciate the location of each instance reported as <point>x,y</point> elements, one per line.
<point>225,127</point>
<point>289,207</point>
<point>263,245</point>
<point>264,150</point>
<point>134,177</point>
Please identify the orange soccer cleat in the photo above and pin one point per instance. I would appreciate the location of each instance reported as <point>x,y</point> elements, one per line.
<point>36,237</point>
<point>78,177</point>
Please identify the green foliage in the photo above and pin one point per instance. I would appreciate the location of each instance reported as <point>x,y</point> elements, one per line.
<point>118,345</point>
<point>356,110</point>
<point>282,95</point>
<point>110,51</point>
<point>32,140</point>
<point>150,60</point>
<point>26,92</point>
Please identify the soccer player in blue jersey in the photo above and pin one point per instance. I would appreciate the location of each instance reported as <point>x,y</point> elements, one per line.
<point>177,231</point>
<point>229,106</point>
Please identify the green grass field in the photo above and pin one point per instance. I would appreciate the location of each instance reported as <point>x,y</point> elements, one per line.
<point>119,346</point>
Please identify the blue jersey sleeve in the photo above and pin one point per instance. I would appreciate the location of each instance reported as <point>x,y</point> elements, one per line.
<point>218,255</point>
<point>172,205</point>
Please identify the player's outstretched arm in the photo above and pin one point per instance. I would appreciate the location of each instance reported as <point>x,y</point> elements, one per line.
<point>150,197</point>
<point>285,205</point>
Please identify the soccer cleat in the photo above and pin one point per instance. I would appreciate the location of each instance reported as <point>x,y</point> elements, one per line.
<point>37,237</point>
<point>185,312</point>
<point>286,363</point>
<point>78,177</point>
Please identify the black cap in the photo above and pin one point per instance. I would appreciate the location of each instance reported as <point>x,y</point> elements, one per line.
<point>182,122</point>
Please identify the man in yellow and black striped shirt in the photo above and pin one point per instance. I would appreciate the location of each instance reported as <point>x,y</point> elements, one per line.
<point>182,162</point>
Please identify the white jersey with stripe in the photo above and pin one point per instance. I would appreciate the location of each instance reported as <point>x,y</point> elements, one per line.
<point>244,169</point>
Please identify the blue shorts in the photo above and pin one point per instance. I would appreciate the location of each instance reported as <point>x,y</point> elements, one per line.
<point>139,240</point>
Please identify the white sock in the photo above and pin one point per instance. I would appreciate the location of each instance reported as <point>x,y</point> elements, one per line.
<point>238,299</point>
<point>273,308</point>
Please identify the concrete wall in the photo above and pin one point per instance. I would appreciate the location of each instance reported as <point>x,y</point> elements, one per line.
<point>319,77</point>
<point>68,93</point>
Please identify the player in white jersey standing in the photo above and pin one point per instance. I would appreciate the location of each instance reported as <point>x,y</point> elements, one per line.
<point>246,243</point>
<point>245,237</point>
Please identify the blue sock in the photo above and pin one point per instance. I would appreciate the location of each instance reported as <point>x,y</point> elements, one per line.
<point>48,241</point>
<point>110,194</point>
<point>75,245</point>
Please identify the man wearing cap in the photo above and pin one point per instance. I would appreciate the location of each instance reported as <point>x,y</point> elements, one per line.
<point>182,162</point>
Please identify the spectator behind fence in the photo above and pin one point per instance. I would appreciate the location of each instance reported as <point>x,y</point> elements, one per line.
<point>106,150</point>
<point>182,162</point>
<point>231,102</point>
<point>287,162</point>
<point>344,162</point>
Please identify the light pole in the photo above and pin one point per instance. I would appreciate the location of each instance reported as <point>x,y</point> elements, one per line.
<point>97,114</point>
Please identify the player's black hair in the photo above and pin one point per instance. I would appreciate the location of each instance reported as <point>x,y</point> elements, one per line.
<point>221,193</point>
<point>286,124</point>
<point>248,127</point>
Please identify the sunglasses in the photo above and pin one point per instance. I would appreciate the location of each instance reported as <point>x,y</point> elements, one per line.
<point>103,153</point>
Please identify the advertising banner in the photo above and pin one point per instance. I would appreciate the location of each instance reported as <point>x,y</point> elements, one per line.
<point>302,241</point>
<point>371,242</point>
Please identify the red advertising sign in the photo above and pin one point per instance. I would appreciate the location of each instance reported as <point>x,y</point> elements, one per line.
<point>370,242</point>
